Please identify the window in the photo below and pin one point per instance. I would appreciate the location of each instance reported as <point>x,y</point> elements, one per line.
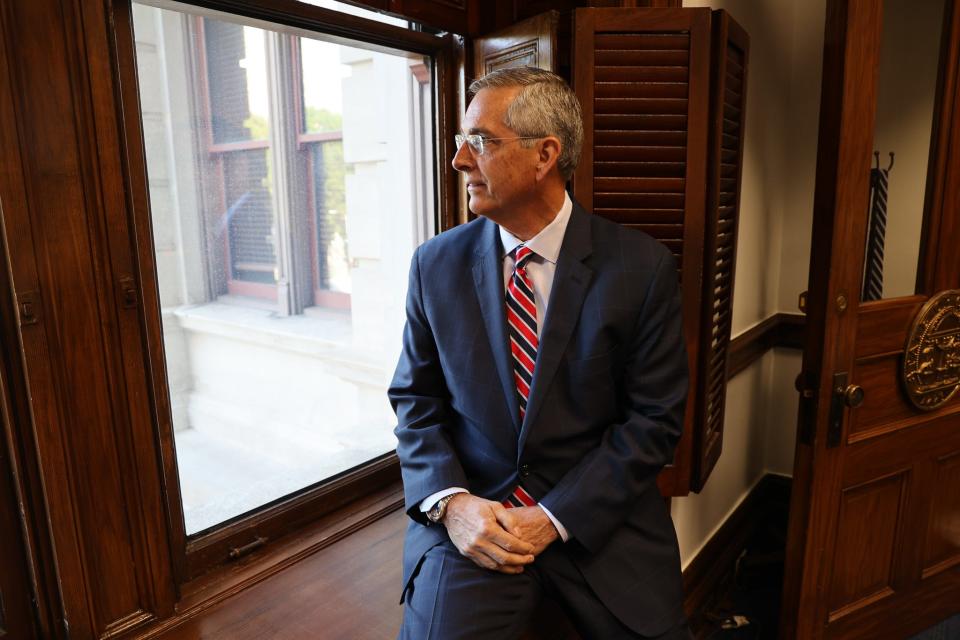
<point>291,177</point>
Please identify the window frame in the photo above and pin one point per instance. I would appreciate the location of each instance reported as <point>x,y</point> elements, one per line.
<point>325,298</point>
<point>199,554</point>
<point>213,158</point>
<point>317,296</point>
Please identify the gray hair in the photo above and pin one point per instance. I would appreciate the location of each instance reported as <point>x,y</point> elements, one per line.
<point>545,106</point>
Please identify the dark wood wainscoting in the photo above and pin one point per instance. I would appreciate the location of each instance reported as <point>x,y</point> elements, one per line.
<point>779,330</point>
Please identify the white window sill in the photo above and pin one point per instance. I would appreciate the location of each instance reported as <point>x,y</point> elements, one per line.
<point>321,333</point>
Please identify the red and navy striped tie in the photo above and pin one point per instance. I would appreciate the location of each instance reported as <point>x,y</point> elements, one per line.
<point>522,323</point>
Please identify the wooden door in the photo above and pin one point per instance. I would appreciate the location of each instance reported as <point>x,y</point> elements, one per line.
<point>874,542</point>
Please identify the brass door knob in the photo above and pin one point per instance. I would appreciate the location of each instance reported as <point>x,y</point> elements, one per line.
<point>853,396</point>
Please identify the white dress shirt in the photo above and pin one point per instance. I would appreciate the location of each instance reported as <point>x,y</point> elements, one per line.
<point>541,269</point>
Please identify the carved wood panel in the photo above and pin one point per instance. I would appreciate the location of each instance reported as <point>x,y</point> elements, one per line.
<point>866,584</point>
<point>885,407</point>
<point>70,247</point>
<point>870,516</point>
<point>942,544</point>
<point>24,423</point>
<point>531,43</point>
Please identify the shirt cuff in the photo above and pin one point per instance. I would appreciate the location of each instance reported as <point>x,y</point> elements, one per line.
<point>560,528</point>
<point>432,499</point>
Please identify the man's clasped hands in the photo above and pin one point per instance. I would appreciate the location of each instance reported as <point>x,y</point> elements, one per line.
<point>496,537</point>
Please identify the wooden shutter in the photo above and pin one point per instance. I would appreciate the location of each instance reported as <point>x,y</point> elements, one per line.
<point>643,80</point>
<point>728,114</point>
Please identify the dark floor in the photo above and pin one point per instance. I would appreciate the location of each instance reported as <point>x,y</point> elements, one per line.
<point>946,630</point>
<point>748,607</point>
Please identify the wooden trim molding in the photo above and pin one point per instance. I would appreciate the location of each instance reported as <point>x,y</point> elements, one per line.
<point>783,330</point>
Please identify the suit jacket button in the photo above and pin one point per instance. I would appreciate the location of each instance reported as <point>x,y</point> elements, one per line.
<point>524,470</point>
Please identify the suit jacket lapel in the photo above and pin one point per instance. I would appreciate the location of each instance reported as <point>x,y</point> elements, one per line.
<point>570,282</point>
<point>488,280</point>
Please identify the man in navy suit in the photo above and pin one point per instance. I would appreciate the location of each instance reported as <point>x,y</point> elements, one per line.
<point>539,392</point>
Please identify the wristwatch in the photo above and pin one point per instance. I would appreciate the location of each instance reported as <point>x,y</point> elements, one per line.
<point>439,510</point>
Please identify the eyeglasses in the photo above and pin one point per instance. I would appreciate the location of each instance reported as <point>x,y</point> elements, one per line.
<point>476,141</point>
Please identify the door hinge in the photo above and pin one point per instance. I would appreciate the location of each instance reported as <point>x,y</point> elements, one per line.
<point>128,293</point>
<point>28,307</point>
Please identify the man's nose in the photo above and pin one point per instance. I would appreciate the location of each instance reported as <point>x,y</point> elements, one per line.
<point>463,159</point>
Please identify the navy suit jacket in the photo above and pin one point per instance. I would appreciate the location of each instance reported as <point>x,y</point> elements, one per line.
<point>605,409</point>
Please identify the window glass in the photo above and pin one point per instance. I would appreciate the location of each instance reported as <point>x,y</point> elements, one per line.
<point>290,181</point>
<point>907,74</point>
<point>236,65</point>
<point>324,72</point>
<point>248,224</point>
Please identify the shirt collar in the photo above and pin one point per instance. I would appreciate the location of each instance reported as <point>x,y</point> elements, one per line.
<point>545,244</point>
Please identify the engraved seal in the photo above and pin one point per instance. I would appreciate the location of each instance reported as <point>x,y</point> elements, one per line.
<point>931,362</point>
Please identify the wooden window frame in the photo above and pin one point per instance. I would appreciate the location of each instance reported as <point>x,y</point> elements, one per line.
<point>194,556</point>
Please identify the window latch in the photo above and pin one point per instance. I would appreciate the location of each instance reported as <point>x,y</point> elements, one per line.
<point>239,552</point>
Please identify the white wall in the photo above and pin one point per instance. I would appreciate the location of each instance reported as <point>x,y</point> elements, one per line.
<point>776,211</point>
<point>741,463</point>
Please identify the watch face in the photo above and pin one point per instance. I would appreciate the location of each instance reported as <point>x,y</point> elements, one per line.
<point>438,509</point>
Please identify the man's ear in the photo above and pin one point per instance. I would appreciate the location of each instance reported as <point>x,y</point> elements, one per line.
<point>548,153</point>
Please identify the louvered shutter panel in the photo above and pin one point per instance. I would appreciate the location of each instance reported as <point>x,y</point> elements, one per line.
<point>728,114</point>
<point>643,80</point>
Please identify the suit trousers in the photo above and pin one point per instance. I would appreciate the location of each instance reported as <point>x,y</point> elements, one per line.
<point>451,598</point>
